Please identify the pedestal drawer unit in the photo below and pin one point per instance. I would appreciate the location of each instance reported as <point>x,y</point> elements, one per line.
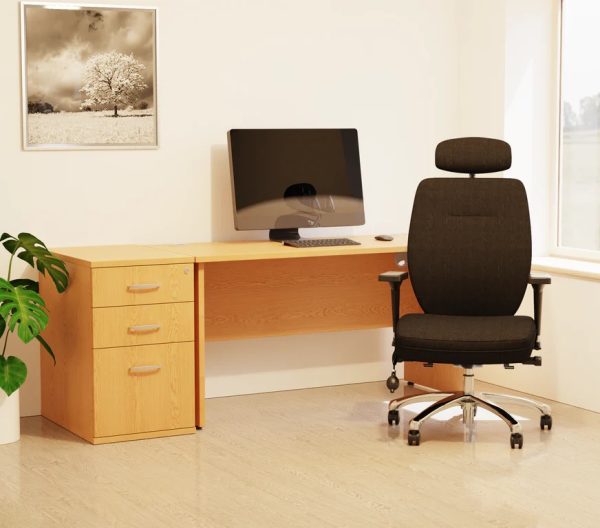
<point>123,336</point>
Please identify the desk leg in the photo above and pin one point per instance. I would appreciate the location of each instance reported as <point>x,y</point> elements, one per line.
<point>200,345</point>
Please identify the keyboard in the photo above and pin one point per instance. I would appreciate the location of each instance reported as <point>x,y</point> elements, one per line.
<point>320,242</point>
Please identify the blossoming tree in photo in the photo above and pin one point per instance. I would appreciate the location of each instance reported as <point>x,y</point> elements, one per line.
<point>112,80</point>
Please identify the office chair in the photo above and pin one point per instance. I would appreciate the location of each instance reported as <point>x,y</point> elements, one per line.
<point>469,260</point>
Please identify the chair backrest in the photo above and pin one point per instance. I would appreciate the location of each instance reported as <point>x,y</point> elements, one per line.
<point>469,243</point>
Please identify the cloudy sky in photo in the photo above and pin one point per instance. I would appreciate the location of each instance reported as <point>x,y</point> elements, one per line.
<point>60,41</point>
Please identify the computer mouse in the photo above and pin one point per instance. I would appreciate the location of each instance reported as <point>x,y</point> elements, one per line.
<point>384,238</point>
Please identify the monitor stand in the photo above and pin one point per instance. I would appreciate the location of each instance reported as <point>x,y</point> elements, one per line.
<point>284,234</point>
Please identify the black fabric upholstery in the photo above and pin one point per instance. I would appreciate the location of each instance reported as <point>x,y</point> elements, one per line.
<point>469,259</point>
<point>464,340</point>
<point>469,246</point>
<point>473,155</point>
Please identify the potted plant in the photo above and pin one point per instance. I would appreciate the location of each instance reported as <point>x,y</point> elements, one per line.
<point>23,311</point>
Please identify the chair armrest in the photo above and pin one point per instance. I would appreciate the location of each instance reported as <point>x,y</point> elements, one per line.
<point>393,276</point>
<point>537,283</point>
<point>394,279</point>
<point>539,279</point>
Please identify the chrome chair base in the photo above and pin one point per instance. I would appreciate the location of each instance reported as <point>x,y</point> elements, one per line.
<point>469,402</point>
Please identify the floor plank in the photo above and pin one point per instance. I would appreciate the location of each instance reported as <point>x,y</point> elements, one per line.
<point>309,458</point>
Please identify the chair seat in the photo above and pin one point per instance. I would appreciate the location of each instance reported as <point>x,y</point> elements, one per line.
<point>464,340</point>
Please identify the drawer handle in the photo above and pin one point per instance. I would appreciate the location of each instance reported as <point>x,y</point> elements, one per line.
<point>144,369</point>
<point>143,329</point>
<point>142,287</point>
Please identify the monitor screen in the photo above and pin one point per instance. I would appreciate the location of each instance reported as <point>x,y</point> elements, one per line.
<point>292,178</point>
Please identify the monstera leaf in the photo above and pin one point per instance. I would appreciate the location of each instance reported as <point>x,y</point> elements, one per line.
<point>28,284</point>
<point>33,251</point>
<point>12,374</point>
<point>23,309</point>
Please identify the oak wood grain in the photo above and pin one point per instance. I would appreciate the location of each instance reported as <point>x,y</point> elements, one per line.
<point>318,458</point>
<point>99,440</point>
<point>66,388</point>
<point>200,347</point>
<point>269,250</point>
<point>121,255</point>
<point>128,402</point>
<point>282,297</point>
<point>116,326</point>
<point>134,285</point>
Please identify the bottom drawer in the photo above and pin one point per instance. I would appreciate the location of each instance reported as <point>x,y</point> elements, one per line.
<point>143,388</point>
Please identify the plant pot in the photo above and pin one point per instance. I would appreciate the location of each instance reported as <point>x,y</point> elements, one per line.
<point>10,424</point>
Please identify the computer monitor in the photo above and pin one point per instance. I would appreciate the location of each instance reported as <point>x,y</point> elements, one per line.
<point>284,179</point>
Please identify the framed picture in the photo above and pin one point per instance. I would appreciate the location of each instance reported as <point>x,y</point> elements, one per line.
<point>88,76</point>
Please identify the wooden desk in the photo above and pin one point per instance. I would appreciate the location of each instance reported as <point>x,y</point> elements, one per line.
<point>241,290</point>
<point>259,289</point>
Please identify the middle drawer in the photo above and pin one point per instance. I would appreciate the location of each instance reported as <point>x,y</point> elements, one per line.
<point>143,325</point>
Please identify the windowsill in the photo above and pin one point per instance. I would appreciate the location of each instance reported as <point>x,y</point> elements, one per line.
<point>566,266</point>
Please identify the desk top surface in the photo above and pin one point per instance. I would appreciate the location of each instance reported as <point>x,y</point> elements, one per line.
<point>262,250</point>
<point>121,255</point>
<point>132,255</point>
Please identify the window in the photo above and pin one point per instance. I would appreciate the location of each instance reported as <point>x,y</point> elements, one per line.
<point>578,233</point>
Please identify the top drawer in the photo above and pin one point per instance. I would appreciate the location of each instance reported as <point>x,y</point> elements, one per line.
<point>134,285</point>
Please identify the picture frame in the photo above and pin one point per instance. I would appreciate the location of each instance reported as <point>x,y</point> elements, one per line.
<point>88,76</point>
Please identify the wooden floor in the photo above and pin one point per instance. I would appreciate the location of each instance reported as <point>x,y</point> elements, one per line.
<point>310,458</point>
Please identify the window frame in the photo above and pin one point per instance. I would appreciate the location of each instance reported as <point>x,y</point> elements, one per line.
<point>557,249</point>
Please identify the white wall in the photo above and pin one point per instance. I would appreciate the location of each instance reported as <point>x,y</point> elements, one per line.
<point>531,105</point>
<point>508,52</point>
<point>570,337</point>
<point>514,45</point>
<point>406,74</point>
<point>388,68</point>
<point>482,33</point>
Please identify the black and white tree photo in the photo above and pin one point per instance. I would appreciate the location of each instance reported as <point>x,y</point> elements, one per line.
<point>113,79</point>
<point>89,76</point>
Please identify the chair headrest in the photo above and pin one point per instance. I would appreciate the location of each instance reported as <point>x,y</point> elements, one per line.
<point>473,155</point>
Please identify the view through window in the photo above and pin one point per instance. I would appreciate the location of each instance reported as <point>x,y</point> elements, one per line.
<point>579,195</point>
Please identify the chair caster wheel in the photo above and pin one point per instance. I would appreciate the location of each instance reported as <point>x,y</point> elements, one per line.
<point>414,438</point>
<point>545,422</point>
<point>392,383</point>
<point>394,417</point>
<point>516,439</point>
